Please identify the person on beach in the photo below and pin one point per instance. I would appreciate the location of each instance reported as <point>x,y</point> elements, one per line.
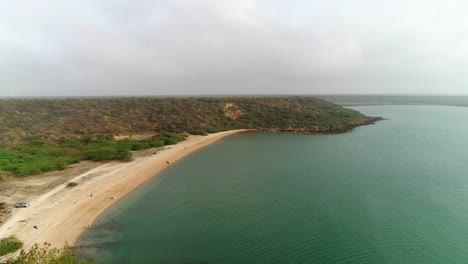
<point>113,198</point>
<point>90,194</point>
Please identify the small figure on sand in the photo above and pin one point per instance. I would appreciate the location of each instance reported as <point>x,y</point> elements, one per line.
<point>90,194</point>
<point>113,197</point>
<point>167,162</point>
<point>35,227</point>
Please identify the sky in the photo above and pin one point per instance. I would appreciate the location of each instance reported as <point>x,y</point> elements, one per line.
<point>229,47</point>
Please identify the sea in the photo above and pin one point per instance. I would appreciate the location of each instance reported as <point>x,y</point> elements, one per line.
<point>392,192</point>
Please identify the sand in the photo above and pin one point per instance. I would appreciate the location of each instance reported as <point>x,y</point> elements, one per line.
<point>62,213</point>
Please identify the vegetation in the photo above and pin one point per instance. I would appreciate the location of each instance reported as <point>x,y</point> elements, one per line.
<point>47,255</point>
<point>9,245</point>
<point>36,157</point>
<point>39,135</point>
<point>27,120</point>
<point>72,184</point>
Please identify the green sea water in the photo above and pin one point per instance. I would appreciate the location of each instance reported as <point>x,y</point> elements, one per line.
<point>393,192</point>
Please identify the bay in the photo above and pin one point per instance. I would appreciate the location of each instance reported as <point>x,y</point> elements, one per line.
<point>393,192</point>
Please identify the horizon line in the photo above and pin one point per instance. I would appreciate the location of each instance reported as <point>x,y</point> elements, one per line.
<point>224,95</point>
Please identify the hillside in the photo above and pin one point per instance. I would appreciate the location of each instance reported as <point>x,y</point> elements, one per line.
<point>44,135</point>
<point>24,120</point>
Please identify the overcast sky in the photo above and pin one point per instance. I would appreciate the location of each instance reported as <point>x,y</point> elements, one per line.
<point>195,47</point>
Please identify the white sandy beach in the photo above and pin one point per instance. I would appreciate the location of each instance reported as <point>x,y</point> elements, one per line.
<point>62,213</point>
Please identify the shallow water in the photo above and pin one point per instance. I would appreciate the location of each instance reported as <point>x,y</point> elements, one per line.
<point>394,192</point>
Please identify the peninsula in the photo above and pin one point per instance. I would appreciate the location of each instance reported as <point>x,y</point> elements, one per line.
<point>109,146</point>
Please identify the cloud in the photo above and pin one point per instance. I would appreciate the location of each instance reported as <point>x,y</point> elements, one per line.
<point>147,47</point>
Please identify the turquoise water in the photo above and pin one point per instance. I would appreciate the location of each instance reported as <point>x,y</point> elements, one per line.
<point>394,192</point>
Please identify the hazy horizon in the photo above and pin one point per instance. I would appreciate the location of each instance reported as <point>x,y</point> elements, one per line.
<point>233,95</point>
<point>57,48</point>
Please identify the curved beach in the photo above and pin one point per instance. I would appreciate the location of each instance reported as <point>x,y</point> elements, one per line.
<point>63,213</point>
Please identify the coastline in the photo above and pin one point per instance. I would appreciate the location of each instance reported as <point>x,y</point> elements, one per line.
<point>63,213</point>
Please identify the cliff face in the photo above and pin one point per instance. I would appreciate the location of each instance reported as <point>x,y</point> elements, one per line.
<point>49,119</point>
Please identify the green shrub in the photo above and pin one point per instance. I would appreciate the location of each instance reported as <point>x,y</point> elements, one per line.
<point>72,184</point>
<point>9,244</point>
<point>47,255</point>
<point>198,132</point>
<point>99,153</point>
<point>38,157</point>
<point>122,154</point>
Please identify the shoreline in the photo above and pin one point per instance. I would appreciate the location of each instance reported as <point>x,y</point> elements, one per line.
<point>63,213</point>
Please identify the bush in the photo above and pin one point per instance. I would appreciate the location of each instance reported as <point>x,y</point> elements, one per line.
<point>45,254</point>
<point>72,184</point>
<point>122,154</point>
<point>197,132</point>
<point>9,244</point>
<point>38,157</point>
<point>171,138</point>
<point>99,153</point>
